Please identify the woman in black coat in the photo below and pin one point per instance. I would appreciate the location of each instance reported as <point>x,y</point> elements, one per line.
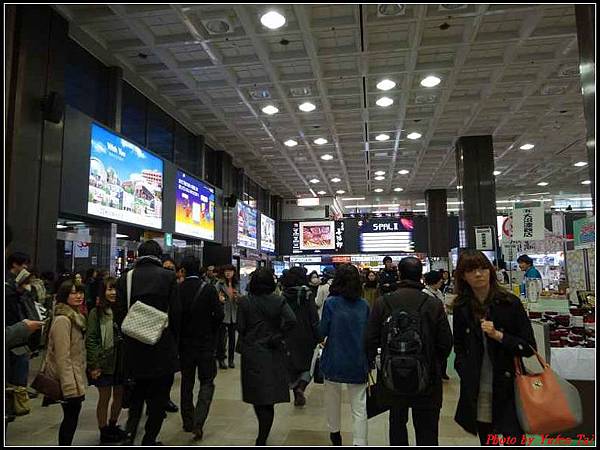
<point>304,337</point>
<point>263,320</point>
<point>491,327</point>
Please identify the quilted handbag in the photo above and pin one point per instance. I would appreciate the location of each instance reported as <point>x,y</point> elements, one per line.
<point>545,402</point>
<point>143,322</point>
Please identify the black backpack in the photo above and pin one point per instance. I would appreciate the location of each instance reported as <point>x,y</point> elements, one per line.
<point>405,366</point>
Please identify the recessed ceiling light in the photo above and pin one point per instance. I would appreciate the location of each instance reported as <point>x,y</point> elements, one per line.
<point>272,20</point>
<point>378,190</point>
<point>430,81</point>
<point>321,192</point>
<point>403,172</point>
<point>384,102</point>
<point>398,189</point>
<point>270,110</point>
<point>314,180</point>
<point>386,85</point>
<point>586,182</point>
<point>380,178</point>
<point>320,141</point>
<point>542,183</point>
<point>459,187</point>
<point>380,172</point>
<point>382,137</point>
<point>414,135</point>
<point>336,180</point>
<point>327,157</point>
<point>496,173</point>
<point>580,164</point>
<point>121,236</point>
<point>291,143</point>
<point>527,146</point>
<point>307,107</point>
<point>341,191</point>
<point>419,204</point>
<point>60,226</point>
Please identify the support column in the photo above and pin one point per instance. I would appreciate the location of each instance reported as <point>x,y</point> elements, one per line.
<point>115,97</point>
<point>437,218</point>
<point>474,172</point>
<point>585,16</point>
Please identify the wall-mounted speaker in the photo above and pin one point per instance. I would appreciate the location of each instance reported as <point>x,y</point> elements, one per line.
<point>53,107</point>
<point>231,201</point>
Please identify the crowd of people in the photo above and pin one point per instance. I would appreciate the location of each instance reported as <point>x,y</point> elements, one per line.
<point>393,323</point>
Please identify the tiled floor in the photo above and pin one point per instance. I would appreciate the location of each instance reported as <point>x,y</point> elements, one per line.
<point>232,422</point>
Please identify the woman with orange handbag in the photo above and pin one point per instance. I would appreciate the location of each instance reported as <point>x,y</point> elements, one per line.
<point>491,327</point>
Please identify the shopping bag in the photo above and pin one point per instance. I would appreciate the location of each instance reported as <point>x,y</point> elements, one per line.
<point>18,400</point>
<point>374,396</point>
<point>315,366</point>
<point>545,402</point>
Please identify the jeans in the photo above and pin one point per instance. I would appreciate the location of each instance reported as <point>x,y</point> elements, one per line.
<point>265,415</point>
<point>206,365</point>
<point>155,392</point>
<point>226,332</point>
<point>358,403</point>
<point>426,423</point>
<point>71,409</point>
<point>19,369</point>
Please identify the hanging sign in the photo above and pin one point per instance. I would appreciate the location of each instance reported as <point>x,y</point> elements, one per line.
<point>82,249</point>
<point>528,222</point>
<point>584,231</point>
<point>484,238</point>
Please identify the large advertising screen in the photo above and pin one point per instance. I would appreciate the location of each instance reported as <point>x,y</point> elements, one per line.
<point>317,235</point>
<point>246,232</point>
<point>125,181</point>
<point>195,207</point>
<point>386,235</point>
<point>267,234</point>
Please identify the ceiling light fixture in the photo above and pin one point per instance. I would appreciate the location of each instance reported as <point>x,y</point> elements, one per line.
<point>341,191</point>
<point>414,135</point>
<point>336,180</point>
<point>580,164</point>
<point>272,20</point>
<point>321,192</point>
<point>60,226</point>
<point>379,178</point>
<point>542,183</point>
<point>291,143</point>
<point>384,102</point>
<point>347,199</point>
<point>403,172</point>
<point>496,173</point>
<point>121,236</point>
<point>398,189</point>
<point>314,181</point>
<point>430,81</point>
<point>386,85</point>
<point>586,182</point>
<point>527,146</point>
<point>320,141</point>
<point>270,110</point>
<point>378,190</point>
<point>459,187</point>
<point>419,204</point>
<point>380,172</point>
<point>382,137</point>
<point>327,157</point>
<point>307,107</point>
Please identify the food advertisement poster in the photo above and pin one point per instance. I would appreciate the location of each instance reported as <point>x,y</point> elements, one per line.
<point>195,208</point>
<point>246,232</point>
<point>125,181</point>
<point>267,234</point>
<point>317,235</point>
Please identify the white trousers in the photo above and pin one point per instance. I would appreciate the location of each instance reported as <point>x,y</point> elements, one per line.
<point>358,404</point>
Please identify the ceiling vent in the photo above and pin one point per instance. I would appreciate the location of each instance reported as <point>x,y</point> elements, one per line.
<point>259,94</point>
<point>452,7</point>
<point>427,98</point>
<point>218,26</point>
<point>554,89</point>
<point>568,71</point>
<point>300,92</point>
<point>391,9</point>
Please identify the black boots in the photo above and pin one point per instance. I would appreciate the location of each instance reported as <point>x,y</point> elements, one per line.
<point>171,407</point>
<point>111,434</point>
<point>336,438</point>
<point>231,364</point>
<point>222,364</point>
<point>299,398</point>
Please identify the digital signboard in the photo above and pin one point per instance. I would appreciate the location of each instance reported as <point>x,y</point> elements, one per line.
<point>379,235</point>
<point>247,223</point>
<point>267,234</point>
<point>195,207</point>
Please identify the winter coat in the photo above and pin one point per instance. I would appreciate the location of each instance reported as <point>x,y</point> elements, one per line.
<point>509,317</point>
<point>66,356</point>
<point>157,287</point>
<point>106,359</point>
<point>263,322</point>
<point>304,337</point>
<point>436,328</point>
<point>230,307</point>
<point>388,280</point>
<point>20,305</point>
<point>371,294</point>
<point>201,317</point>
<point>322,294</point>
<point>344,324</point>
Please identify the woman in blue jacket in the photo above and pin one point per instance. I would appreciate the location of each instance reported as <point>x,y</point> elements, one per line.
<point>344,360</point>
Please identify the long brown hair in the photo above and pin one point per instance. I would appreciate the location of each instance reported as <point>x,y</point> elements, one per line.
<point>103,303</point>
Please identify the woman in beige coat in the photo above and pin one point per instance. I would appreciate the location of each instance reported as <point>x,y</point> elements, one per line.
<point>66,358</point>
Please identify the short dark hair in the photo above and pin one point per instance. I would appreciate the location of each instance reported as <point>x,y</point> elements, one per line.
<point>65,288</point>
<point>432,277</point>
<point>19,258</point>
<point>410,268</point>
<point>296,276</point>
<point>346,282</point>
<point>150,248</point>
<point>261,282</point>
<point>191,265</point>
<point>526,259</point>
<point>387,258</point>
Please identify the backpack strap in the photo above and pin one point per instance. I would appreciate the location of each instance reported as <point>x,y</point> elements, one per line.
<point>198,292</point>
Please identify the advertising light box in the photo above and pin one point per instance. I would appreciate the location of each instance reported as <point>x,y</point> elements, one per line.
<point>195,208</point>
<point>318,237</point>
<point>125,181</point>
<point>386,235</point>
<point>267,234</point>
<point>246,232</point>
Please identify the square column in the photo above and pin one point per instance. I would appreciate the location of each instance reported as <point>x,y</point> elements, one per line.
<point>437,218</point>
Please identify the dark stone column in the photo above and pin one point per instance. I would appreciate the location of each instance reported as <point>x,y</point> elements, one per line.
<point>115,97</point>
<point>586,39</point>
<point>34,145</point>
<point>437,218</point>
<point>474,172</point>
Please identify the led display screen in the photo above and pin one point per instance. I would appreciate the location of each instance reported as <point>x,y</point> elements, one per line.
<point>195,207</point>
<point>246,232</point>
<point>125,181</point>
<point>267,234</point>
<point>386,235</point>
<point>317,237</point>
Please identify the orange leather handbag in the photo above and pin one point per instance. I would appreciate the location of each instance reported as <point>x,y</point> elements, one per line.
<point>546,403</point>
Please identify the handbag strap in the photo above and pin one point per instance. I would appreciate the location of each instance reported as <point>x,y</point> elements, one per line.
<point>129,282</point>
<point>519,362</point>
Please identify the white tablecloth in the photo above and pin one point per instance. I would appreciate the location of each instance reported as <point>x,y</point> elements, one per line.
<point>574,363</point>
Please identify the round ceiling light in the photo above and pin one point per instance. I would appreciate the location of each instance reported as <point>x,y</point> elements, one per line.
<point>314,180</point>
<point>403,172</point>
<point>321,192</point>
<point>341,191</point>
<point>272,20</point>
<point>398,189</point>
<point>527,146</point>
<point>320,141</point>
<point>382,137</point>
<point>414,135</point>
<point>542,183</point>
<point>384,102</point>
<point>496,173</point>
<point>327,157</point>
<point>586,182</point>
<point>291,143</point>
<point>380,172</point>
<point>378,190</point>
<point>270,110</point>
<point>430,81</point>
<point>307,107</point>
<point>386,85</point>
<point>459,187</point>
<point>380,178</point>
<point>580,164</point>
<point>336,180</point>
